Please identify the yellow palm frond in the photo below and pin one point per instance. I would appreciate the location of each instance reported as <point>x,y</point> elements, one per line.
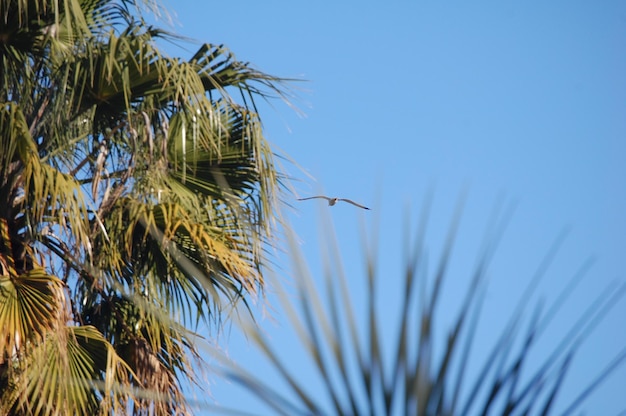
<point>63,373</point>
<point>29,309</point>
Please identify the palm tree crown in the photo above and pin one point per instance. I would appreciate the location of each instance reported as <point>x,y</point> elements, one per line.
<point>133,189</point>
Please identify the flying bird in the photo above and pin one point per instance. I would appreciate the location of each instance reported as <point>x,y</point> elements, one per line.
<point>333,201</point>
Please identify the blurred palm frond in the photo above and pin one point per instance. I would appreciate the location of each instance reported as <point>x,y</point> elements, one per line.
<point>368,363</point>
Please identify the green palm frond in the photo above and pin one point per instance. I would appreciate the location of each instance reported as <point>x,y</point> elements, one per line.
<point>73,370</point>
<point>50,197</point>
<point>28,309</point>
<point>31,30</point>
<point>112,374</point>
<point>151,342</point>
<point>151,239</point>
<point>423,375</point>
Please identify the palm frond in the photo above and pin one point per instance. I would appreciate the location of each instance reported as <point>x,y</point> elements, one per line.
<point>73,369</point>
<point>423,376</point>
<point>50,197</point>
<point>28,309</point>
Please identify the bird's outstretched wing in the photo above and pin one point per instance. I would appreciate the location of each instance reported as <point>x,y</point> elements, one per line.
<point>332,201</point>
<point>312,197</point>
<point>353,203</point>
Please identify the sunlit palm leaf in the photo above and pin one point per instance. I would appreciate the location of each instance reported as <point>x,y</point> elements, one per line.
<point>28,309</point>
<point>74,370</point>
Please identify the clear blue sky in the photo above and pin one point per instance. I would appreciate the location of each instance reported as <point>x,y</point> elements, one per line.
<point>522,99</point>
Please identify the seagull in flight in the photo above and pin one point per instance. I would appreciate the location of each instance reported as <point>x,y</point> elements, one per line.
<point>333,201</point>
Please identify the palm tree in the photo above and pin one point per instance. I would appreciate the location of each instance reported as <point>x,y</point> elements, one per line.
<point>137,193</point>
<point>367,362</point>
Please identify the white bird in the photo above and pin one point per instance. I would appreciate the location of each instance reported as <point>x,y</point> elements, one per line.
<point>333,201</point>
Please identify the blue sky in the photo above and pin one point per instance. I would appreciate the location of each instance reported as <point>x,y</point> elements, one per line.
<point>521,100</point>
